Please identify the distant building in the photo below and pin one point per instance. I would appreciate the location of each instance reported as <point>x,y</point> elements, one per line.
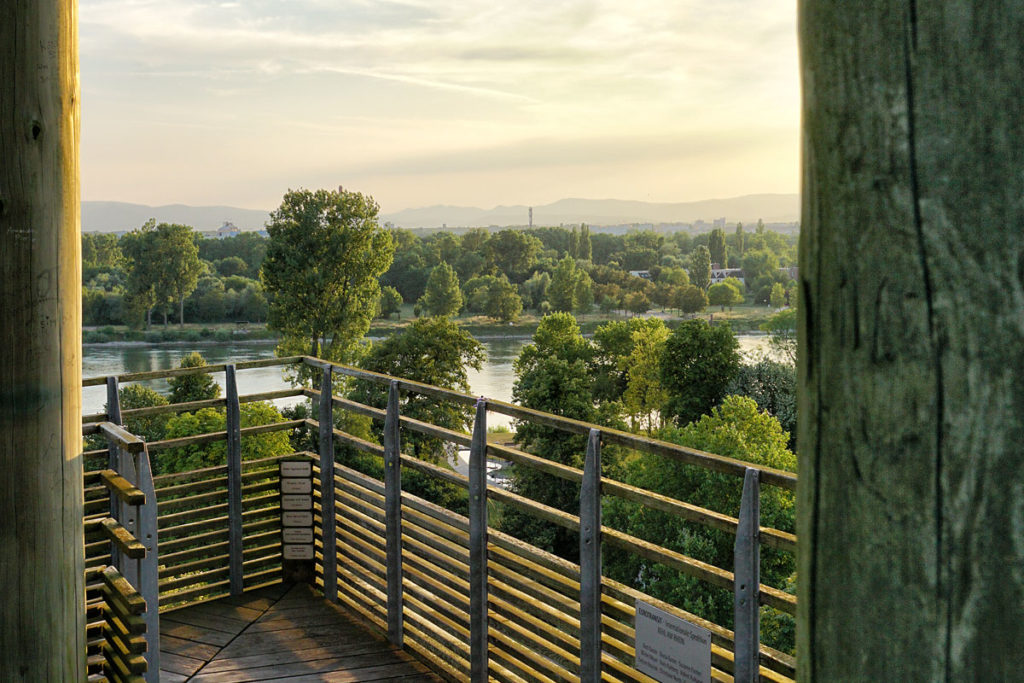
<point>720,274</point>
<point>227,230</point>
<point>720,223</point>
<point>645,274</point>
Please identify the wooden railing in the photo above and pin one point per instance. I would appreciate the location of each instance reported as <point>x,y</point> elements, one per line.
<point>473,602</point>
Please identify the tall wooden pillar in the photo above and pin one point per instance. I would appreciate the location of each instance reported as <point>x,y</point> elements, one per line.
<point>42,619</point>
<point>911,498</point>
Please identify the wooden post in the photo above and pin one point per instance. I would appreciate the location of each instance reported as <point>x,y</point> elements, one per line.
<point>393,515</point>
<point>478,664</point>
<point>149,567</point>
<point>327,485</point>
<point>42,622</point>
<point>114,458</point>
<point>911,342</point>
<point>747,580</point>
<point>590,562</point>
<point>234,463</point>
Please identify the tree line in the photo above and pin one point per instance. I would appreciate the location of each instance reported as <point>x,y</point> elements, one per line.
<point>178,275</point>
<point>323,268</point>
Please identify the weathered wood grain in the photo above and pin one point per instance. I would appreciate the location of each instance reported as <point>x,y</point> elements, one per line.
<point>912,342</point>
<point>42,623</point>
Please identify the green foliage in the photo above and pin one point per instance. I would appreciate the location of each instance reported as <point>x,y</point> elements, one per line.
<point>724,294</point>
<point>193,387</point>
<point>442,296</point>
<point>781,329</point>
<point>151,428</point>
<point>232,265</point>
<point>645,395</point>
<point>207,420</point>
<point>513,252</point>
<point>571,287</point>
<point>772,385</point>
<point>717,247</point>
<point>698,363</point>
<point>434,351</point>
<point>325,253</point>
<point>700,267</point>
<point>690,299</point>
<point>777,296</point>
<point>390,302</point>
<point>736,429</point>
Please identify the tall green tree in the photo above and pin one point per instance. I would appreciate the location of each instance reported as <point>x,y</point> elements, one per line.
<point>700,267</point>
<point>717,247</point>
<point>207,420</point>
<point>697,365</point>
<point>584,249</point>
<point>138,247</point>
<point>390,302</point>
<point>724,294</point>
<point>551,375</point>
<point>177,265</point>
<point>193,387</point>
<point>442,296</point>
<point>690,299</point>
<point>739,239</point>
<point>325,253</point>
<point>571,287</point>
<point>513,252</point>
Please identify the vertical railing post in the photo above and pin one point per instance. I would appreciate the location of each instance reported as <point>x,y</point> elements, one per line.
<point>393,515</point>
<point>114,459</point>
<point>234,462</point>
<point>478,546</point>
<point>148,583</point>
<point>327,485</point>
<point>747,582</point>
<point>590,562</point>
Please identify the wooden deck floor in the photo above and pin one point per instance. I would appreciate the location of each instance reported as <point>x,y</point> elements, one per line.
<point>281,633</point>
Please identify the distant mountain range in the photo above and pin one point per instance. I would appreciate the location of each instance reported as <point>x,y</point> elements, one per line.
<point>772,208</point>
<point>122,216</point>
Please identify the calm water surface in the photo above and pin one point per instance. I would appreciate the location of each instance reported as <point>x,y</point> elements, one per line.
<point>494,380</point>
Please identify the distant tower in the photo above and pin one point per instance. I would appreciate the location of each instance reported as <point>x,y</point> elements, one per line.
<point>531,216</point>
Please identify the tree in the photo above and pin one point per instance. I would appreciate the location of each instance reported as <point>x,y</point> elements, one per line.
<point>636,303</point>
<point>645,395</point>
<point>739,239</point>
<point>198,387</point>
<point>390,302</point>
<point>551,375</point>
<point>777,298</point>
<point>207,420</point>
<point>513,252</point>
<point>691,299</point>
<point>570,288</point>
<point>325,253</point>
<point>138,247</point>
<point>613,344</point>
<point>772,385</point>
<point>177,265</point>
<point>700,267</point>
<point>232,265</point>
<point>584,250</point>
<point>503,302</point>
<point>717,247</point>
<point>535,290</point>
<point>698,363</point>
<point>724,294</point>
<point>434,351</point>
<point>735,429</point>
<point>442,296</point>
<point>149,428</point>
<point>781,329</point>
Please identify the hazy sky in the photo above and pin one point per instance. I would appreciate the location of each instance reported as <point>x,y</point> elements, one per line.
<point>419,102</point>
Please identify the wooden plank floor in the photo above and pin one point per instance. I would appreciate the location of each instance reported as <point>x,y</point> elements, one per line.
<point>281,633</point>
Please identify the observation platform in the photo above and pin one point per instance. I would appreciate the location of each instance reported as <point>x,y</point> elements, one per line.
<point>278,633</point>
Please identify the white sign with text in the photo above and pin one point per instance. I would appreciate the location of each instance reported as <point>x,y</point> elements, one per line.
<point>671,649</point>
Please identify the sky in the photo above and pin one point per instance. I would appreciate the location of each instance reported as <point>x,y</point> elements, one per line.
<point>423,102</point>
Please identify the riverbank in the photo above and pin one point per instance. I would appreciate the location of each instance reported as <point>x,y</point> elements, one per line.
<point>743,320</point>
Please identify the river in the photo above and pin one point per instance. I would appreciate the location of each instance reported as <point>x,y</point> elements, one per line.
<point>493,380</point>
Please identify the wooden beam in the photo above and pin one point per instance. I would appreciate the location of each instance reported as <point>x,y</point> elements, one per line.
<point>911,342</point>
<point>42,623</point>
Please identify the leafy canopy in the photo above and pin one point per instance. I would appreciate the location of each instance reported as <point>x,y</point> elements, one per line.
<point>325,253</point>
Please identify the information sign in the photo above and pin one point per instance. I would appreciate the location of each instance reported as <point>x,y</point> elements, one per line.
<point>298,552</point>
<point>670,649</point>
<point>296,518</point>
<point>296,468</point>
<point>296,502</point>
<point>304,485</point>
<point>297,535</point>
